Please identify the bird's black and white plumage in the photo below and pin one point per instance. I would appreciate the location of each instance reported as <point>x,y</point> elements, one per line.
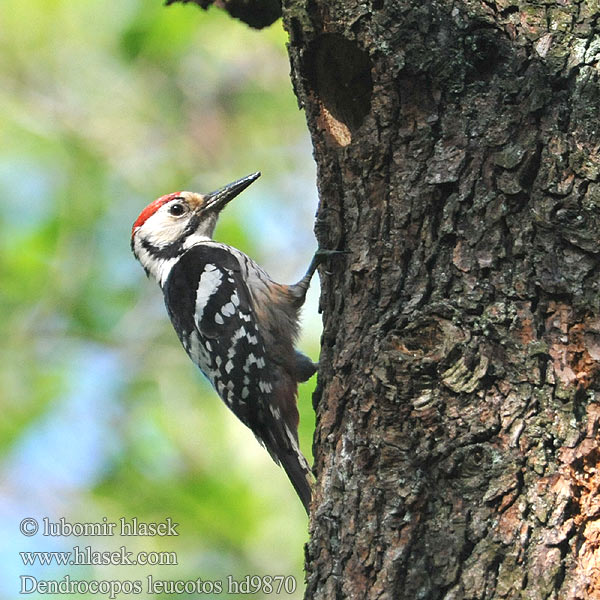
<point>234,322</point>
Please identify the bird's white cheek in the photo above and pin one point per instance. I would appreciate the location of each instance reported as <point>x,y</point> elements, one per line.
<point>165,233</point>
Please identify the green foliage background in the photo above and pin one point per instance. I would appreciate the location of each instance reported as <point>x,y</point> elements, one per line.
<point>104,107</point>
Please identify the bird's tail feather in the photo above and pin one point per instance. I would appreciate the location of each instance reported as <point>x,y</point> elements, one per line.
<point>298,471</point>
<point>283,447</point>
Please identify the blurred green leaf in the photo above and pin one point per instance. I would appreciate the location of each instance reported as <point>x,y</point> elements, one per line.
<point>102,109</point>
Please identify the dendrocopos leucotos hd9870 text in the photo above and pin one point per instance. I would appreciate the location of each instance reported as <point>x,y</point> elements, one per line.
<point>234,322</point>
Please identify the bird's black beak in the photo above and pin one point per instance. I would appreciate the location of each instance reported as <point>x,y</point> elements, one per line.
<point>218,199</point>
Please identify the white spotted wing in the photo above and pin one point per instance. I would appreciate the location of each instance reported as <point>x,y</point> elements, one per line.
<point>210,307</point>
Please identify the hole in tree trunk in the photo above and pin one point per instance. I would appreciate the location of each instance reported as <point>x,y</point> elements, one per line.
<point>339,73</point>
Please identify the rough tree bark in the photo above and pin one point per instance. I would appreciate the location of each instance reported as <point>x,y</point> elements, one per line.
<point>457,438</point>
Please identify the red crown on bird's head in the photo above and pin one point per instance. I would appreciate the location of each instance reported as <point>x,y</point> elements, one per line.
<point>152,208</point>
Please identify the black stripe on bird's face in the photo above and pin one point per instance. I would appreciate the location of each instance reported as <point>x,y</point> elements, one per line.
<point>173,249</point>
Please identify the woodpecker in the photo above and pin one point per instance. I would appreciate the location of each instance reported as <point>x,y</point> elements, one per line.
<point>235,323</point>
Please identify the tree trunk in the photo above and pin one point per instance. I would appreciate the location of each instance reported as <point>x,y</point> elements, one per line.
<point>456,444</point>
<point>457,412</point>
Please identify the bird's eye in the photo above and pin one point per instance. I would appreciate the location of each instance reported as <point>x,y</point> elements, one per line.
<point>176,209</point>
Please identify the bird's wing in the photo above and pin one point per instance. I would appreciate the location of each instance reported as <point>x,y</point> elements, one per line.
<point>211,309</point>
<point>210,306</point>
